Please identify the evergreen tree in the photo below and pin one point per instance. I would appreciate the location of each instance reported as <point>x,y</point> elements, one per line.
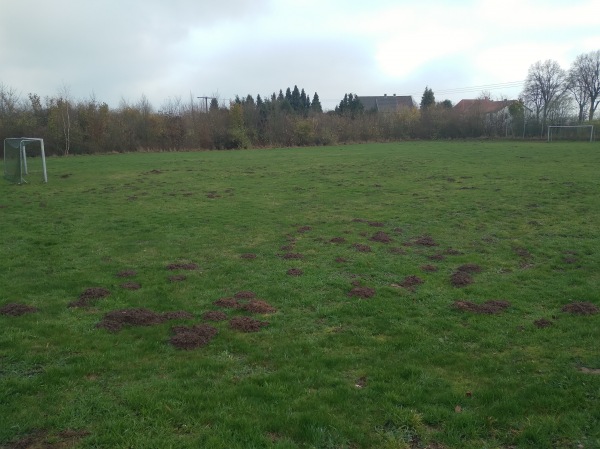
<point>295,101</point>
<point>280,97</point>
<point>428,99</point>
<point>315,106</point>
<point>214,105</point>
<point>259,101</point>
<point>288,95</point>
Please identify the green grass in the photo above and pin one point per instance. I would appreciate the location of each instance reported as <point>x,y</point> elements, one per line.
<point>293,384</point>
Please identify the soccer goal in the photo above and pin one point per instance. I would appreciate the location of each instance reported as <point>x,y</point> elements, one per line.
<point>574,132</point>
<point>16,151</point>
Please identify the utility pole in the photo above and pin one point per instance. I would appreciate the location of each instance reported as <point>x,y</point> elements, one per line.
<point>206,101</point>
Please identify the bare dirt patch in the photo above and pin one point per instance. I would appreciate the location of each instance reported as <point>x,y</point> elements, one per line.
<point>228,303</point>
<point>429,268</point>
<point>586,370</point>
<point>359,220</point>
<point>289,256</point>
<point>461,279</point>
<point>491,307</point>
<point>362,292</point>
<point>396,250</point>
<point>362,248</point>
<point>542,322</point>
<point>247,324</point>
<point>522,252</point>
<point>303,229</point>
<point>580,308</point>
<point>182,266</point>
<point>213,195</point>
<point>126,274</point>
<point>192,337</point>
<point>381,237</point>
<point>258,306</point>
<point>411,282</point>
<point>248,256</point>
<point>469,268</point>
<point>89,296</point>
<point>115,320</point>
<point>341,260</point>
<point>131,286</point>
<point>16,309</point>
<point>452,252</point>
<point>214,315</point>
<point>245,294</point>
<point>42,439</point>
<point>425,240</point>
<point>437,257</point>
<point>338,240</point>
<point>295,272</point>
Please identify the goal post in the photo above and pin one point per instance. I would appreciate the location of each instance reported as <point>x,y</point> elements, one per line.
<point>571,132</point>
<point>15,158</point>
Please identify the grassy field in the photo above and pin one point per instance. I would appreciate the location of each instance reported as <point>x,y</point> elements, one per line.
<point>383,336</point>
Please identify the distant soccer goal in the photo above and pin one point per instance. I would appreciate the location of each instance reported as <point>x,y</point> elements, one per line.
<point>583,133</point>
<point>16,152</point>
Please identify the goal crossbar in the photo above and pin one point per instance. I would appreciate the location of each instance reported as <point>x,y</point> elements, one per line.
<point>15,151</point>
<point>550,128</point>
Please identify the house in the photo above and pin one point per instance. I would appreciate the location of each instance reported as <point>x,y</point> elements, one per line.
<point>387,103</point>
<point>483,107</point>
<point>493,116</point>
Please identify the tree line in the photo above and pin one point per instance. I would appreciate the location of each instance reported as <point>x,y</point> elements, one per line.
<point>551,95</point>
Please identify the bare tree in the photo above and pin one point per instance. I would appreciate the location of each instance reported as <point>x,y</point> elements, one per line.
<point>586,70</point>
<point>64,105</point>
<point>578,90</point>
<point>545,82</point>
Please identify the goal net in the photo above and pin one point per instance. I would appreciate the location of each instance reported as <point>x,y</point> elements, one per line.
<point>24,156</point>
<point>583,133</point>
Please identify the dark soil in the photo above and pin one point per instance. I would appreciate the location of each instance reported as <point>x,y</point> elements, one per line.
<point>452,252</point>
<point>213,195</point>
<point>362,292</point>
<point>41,439</point>
<point>341,260</point>
<point>381,237</point>
<point>258,306</point>
<point>248,256</point>
<point>397,251</point>
<point>246,324</point>
<point>425,240</point>
<point>286,247</point>
<point>376,224</point>
<point>292,256</point>
<point>359,220</point>
<point>182,266</point>
<point>491,307</point>
<point>338,240</point>
<point>362,248</point>
<point>90,296</point>
<point>469,268</point>
<point>228,303</point>
<point>214,315</point>
<point>16,309</point>
<point>522,252</point>
<point>570,259</point>
<point>437,257</point>
<point>192,337</point>
<point>245,294</point>
<point>115,320</point>
<point>581,308</point>
<point>295,272</point>
<point>411,281</point>
<point>429,268</point>
<point>177,278</point>
<point>131,286</point>
<point>126,273</point>
<point>304,229</point>
<point>461,279</point>
<point>543,322</point>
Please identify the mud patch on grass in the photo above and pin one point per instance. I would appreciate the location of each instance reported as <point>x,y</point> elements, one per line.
<point>177,278</point>
<point>341,260</point>
<point>580,308</point>
<point>303,229</point>
<point>115,320</point>
<point>90,296</point>
<point>398,251</point>
<point>41,439</point>
<point>228,303</point>
<point>131,286</point>
<point>292,256</point>
<point>491,307</point>
<point>542,323</point>
<point>362,248</point>
<point>295,272</point>
<point>469,268</point>
<point>410,282</point>
<point>214,315</point>
<point>126,274</point>
<point>182,266</point>
<point>192,337</point>
<point>338,240</point>
<point>437,257</point>
<point>245,294</point>
<point>247,324</point>
<point>16,309</point>
<point>362,292</point>
<point>381,237</point>
<point>258,306</point>
<point>429,268</point>
<point>461,279</point>
<point>425,240</point>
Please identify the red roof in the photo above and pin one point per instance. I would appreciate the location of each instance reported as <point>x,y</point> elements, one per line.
<point>482,106</point>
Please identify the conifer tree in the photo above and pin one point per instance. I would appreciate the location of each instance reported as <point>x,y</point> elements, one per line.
<point>315,106</point>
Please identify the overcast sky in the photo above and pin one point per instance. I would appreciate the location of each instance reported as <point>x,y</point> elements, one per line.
<point>168,49</point>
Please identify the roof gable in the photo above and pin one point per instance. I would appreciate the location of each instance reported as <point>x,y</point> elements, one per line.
<point>387,103</point>
<point>482,106</point>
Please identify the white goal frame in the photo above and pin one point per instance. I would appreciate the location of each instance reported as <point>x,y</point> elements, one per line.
<point>23,141</point>
<point>571,126</point>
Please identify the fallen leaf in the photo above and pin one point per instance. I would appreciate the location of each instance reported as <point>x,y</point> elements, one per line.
<point>458,409</point>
